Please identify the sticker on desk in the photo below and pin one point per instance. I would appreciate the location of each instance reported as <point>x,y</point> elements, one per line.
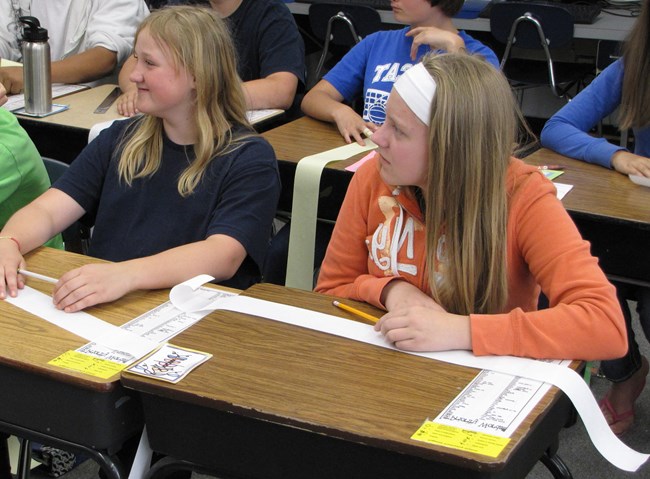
<point>461,439</point>
<point>83,363</point>
<point>169,363</point>
<point>552,174</point>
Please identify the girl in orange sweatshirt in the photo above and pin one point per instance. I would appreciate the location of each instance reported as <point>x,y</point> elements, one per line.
<point>455,238</point>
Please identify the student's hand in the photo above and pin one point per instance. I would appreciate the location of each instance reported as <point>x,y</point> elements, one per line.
<point>91,284</point>
<point>630,164</point>
<point>3,95</point>
<point>436,38</point>
<point>126,102</point>
<point>12,79</point>
<point>351,125</point>
<point>418,328</point>
<point>10,261</point>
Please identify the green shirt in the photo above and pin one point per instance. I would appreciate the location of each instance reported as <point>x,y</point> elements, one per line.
<point>23,176</point>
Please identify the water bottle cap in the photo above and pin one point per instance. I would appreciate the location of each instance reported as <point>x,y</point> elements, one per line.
<point>33,32</point>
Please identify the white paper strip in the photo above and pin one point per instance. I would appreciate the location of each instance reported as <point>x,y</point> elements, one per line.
<point>82,324</point>
<point>304,209</point>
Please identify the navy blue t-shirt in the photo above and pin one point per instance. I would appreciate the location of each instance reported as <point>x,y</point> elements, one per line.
<point>267,40</point>
<point>237,197</point>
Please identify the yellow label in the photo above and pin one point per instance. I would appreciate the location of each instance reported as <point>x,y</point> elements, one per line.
<point>83,363</point>
<point>462,439</point>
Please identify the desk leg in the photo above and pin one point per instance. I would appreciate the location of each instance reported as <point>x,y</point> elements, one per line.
<point>168,465</point>
<point>555,464</point>
<point>110,464</point>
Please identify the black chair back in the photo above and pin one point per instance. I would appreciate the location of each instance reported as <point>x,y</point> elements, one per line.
<point>523,17</point>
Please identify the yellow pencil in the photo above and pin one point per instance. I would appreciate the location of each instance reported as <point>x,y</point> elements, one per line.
<point>352,310</point>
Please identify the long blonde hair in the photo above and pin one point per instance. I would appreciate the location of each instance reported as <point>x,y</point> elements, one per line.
<point>472,135</point>
<point>197,40</point>
<point>635,101</point>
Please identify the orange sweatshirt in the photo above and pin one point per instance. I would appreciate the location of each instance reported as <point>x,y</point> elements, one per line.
<point>380,236</point>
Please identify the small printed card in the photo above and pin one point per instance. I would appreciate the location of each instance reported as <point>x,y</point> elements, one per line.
<point>169,363</point>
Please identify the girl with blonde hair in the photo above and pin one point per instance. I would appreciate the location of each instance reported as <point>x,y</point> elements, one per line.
<point>184,189</point>
<point>456,238</point>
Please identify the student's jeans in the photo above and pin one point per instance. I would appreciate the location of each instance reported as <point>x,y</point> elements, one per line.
<point>619,370</point>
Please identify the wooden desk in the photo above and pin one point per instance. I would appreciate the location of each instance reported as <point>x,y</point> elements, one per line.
<point>606,26</point>
<point>611,212</point>
<point>280,401</point>
<point>56,406</point>
<point>63,135</point>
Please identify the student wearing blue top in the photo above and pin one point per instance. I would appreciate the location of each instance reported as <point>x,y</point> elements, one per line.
<point>371,68</point>
<point>623,84</point>
<point>186,188</point>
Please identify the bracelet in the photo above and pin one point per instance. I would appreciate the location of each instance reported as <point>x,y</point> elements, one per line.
<point>12,239</point>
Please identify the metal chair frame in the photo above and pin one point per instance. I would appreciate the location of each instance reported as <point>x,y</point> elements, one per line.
<point>340,17</point>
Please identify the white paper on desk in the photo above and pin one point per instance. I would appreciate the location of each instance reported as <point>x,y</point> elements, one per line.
<point>493,402</point>
<point>562,189</point>
<point>255,116</point>
<point>82,324</point>
<point>58,89</point>
<point>610,446</point>
<point>159,325</point>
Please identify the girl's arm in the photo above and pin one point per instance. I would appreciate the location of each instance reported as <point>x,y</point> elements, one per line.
<point>324,102</point>
<point>567,132</point>
<point>584,320</point>
<point>218,255</point>
<point>31,226</point>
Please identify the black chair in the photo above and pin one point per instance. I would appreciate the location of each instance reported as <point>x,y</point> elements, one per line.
<point>541,28</point>
<point>76,237</point>
<point>340,26</point>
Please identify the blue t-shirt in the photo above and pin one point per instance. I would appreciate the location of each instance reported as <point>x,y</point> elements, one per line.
<point>372,66</point>
<point>567,131</point>
<point>237,197</point>
<point>266,40</point>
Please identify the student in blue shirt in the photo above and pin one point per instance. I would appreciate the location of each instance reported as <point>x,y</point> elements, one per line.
<point>371,68</point>
<point>623,84</point>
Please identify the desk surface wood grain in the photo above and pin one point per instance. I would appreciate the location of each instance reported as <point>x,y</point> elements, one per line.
<point>321,383</point>
<point>306,136</point>
<point>28,342</point>
<point>598,191</point>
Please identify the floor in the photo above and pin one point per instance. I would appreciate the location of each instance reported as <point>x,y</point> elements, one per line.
<point>576,448</point>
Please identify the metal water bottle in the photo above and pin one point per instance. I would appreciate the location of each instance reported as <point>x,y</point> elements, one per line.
<point>37,71</point>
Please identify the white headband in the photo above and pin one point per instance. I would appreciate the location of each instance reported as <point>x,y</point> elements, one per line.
<point>417,88</point>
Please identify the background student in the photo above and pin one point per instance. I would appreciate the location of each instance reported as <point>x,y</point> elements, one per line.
<point>187,188</point>
<point>270,54</point>
<point>370,69</point>
<point>623,84</point>
<point>449,233</point>
<point>89,39</point>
